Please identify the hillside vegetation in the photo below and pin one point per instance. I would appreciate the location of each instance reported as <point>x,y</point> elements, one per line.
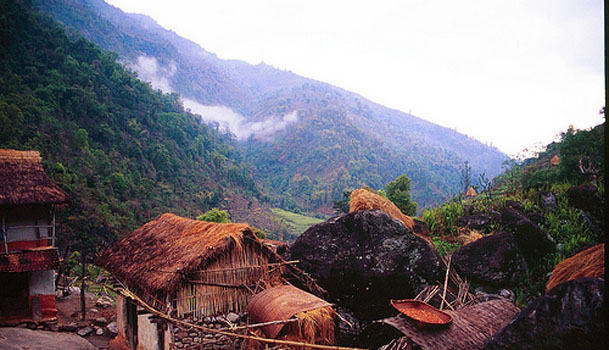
<point>339,140</point>
<point>123,151</point>
<point>543,190</point>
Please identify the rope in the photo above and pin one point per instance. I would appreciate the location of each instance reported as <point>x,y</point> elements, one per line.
<point>162,315</point>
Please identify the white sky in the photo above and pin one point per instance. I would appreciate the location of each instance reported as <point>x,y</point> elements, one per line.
<point>514,73</point>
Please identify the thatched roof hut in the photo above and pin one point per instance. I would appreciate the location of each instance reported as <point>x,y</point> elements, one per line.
<point>587,263</point>
<point>196,266</point>
<point>363,199</point>
<point>24,182</point>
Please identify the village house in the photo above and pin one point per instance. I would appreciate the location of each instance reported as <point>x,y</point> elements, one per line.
<point>205,273</point>
<point>28,257</point>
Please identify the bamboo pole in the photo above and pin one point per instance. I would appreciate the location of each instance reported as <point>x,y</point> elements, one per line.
<point>445,283</point>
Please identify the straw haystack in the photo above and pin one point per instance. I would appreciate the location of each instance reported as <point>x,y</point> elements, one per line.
<point>471,192</point>
<point>23,180</point>
<point>363,199</point>
<point>200,267</point>
<point>588,263</point>
<point>313,319</point>
<point>555,160</point>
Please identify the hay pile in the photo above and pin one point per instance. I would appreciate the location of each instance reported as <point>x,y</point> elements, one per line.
<point>23,180</point>
<point>468,236</point>
<point>588,263</point>
<point>363,199</point>
<point>315,317</point>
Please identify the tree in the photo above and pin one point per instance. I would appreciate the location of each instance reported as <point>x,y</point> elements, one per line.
<point>398,191</point>
<point>341,206</point>
<point>214,215</point>
<point>465,180</point>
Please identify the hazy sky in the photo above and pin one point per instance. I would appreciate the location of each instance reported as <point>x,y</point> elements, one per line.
<point>514,73</point>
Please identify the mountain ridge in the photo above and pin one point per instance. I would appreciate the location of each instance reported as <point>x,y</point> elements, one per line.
<point>263,95</point>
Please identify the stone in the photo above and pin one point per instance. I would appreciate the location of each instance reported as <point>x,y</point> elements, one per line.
<point>104,302</point>
<point>99,331</point>
<point>364,259</point>
<point>514,205</point>
<point>83,332</point>
<point>587,198</point>
<point>112,328</point>
<point>548,201</point>
<point>12,338</point>
<point>570,316</point>
<point>233,317</point>
<point>68,327</point>
<point>476,221</point>
<point>207,320</point>
<point>538,219</point>
<point>187,340</point>
<point>532,241</point>
<point>178,345</point>
<point>100,321</point>
<point>192,334</point>
<point>493,260</point>
<point>196,340</point>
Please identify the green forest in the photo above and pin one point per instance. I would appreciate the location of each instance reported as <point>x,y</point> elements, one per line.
<point>124,152</point>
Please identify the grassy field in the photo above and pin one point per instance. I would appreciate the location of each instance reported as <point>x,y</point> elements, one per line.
<point>296,223</point>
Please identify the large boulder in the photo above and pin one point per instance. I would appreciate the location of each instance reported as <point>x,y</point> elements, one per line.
<point>532,241</point>
<point>476,221</point>
<point>587,198</point>
<point>364,259</point>
<point>570,316</point>
<point>493,260</point>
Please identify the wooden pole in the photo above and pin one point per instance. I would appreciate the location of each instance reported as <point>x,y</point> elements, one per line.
<point>83,308</point>
<point>4,233</point>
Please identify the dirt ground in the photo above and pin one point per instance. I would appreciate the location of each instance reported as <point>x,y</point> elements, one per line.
<point>69,311</point>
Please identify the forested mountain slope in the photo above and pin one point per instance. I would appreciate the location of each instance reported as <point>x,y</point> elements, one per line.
<point>123,151</point>
<point>285,120</point>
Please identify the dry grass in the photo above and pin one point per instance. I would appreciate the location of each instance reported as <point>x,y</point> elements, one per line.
<point>468,236</point>
<point>363,199</point>
<point>23,180</point>
<point>157,257</point>
<point>588,263</point>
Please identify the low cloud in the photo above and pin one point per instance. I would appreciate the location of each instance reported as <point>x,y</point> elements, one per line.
<point>148,69</point>
<point>234,122</point>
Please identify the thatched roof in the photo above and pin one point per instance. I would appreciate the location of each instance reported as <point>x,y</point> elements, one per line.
<point>23,180</point>
<point>588,263</point>
<point>363,199</point>
<point>471,326</point>
<point>156,257</point>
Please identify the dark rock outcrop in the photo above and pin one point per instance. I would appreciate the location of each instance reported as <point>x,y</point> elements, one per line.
<point>514,205</point>
<point>587,198</point>
<point>570,316</point>
<point>493,260</point>
<point>532,241</point>
<point>476,221</point>
<point>591,203</point>
<point>364,259</point>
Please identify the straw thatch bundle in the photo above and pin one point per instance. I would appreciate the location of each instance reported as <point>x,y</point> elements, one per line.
<point>588,263</point>
<point>471,192</point>
<point>23,180</point>
<point>157,258</point>
<point>467,237</point>
<point>363,199</point>
<point>315,317</point>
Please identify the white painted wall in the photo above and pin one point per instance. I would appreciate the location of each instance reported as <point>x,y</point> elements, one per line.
<point>27,217</point>
<point>42,282</point>
<point>147,333</point>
